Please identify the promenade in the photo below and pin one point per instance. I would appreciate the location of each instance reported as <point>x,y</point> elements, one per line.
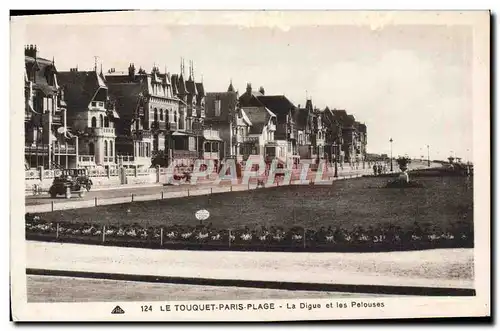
<point>124,194</point>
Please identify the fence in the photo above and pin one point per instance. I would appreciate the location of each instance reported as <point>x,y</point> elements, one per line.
<point>206,237</point>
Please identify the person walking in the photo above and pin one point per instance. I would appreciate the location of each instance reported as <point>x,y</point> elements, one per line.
<point>375,169</point>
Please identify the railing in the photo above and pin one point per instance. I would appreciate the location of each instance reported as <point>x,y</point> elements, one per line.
<point>57,119</point>
<point>172,126</point>
<point>211,155</point>
<point>86,160</point>
<point>101,131</point>
<point>159,126</point>
<point>211,134</point>
<point>64,149</point>
<point>30,149</point>
<point>141,134</point>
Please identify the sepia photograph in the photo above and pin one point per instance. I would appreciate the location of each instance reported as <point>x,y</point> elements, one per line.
<point>250,165</point>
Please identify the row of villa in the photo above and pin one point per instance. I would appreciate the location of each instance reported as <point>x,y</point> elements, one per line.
<point>78,119</point>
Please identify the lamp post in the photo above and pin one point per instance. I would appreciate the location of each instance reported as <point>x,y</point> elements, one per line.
<point>335,148</point>
<point>428,157</point>
<point>390,140</point>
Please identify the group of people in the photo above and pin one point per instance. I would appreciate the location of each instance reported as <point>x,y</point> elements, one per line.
<point>379,169</point>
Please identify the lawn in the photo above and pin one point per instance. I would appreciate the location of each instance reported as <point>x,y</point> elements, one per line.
<point>442,203</point>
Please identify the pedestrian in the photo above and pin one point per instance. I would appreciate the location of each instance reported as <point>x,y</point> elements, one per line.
<point>375,169</point>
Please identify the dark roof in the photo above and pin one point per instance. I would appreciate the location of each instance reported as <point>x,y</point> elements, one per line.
<point>127,97</point>
<point>181,85</point>
<point>201,89</point>
<point>80,87</point>
<point>43,68</point>
<point>259,116</point>
<point>229,100</point>
<point>278,104</point>
<point>191,87</point>
<point>302,118</point>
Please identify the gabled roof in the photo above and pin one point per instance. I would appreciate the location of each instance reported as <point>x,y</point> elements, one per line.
<point>127,97</point>
<point>80,87</point>
<point>43,68</point>
<point>278,104</point>
<point>229,101</point>
<point>259,116</point>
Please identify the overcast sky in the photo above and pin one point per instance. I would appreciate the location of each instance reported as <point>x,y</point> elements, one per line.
<point>411,83</point>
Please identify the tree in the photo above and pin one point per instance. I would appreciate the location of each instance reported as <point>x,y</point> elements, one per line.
<point>403,162</point>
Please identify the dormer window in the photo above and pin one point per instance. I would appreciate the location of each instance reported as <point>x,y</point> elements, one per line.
<point>94,104</point>
<point>101,104</point>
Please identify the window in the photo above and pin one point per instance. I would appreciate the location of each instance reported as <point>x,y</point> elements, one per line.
<point>101,121</point>
<point>191,144</point>
<point>175,116</point>
<point>101,104</point>
<point>91,148</point>
<point>110,148</point>
<point>147,150</point>
<point>105,148</point>
<point>217,107</point>
<point>94,122</point>
<point>94,104</point>
<point>161,114</point>
<point>106,122</point>
<point>156,115</point>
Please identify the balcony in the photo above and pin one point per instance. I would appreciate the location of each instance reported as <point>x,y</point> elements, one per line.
<point>102,132</point>
<point>141,134</point>
<point>172,126</point>
<point>57,119</point>
<point>211,134</point>
<point>161,126</point>
<point>33,149</point>
<point>64,149</point>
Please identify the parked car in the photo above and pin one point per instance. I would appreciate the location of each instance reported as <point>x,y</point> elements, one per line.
<point>71,181</point>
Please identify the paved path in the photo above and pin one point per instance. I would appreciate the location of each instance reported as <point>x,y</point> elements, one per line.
<point>441,268</point>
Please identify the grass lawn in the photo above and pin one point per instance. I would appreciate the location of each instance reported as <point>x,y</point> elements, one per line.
<point>443,202</point>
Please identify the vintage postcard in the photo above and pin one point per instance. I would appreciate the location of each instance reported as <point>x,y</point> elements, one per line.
<point>250,165</point>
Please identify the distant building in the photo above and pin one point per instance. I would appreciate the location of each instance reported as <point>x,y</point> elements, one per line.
<point>91,115</point>
<point>223,114</point>
<point>286,128</point>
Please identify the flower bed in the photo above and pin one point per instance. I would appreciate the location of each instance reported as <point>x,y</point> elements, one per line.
<point>206,237</point>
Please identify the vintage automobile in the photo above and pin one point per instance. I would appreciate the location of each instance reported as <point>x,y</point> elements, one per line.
<point>71,181</point>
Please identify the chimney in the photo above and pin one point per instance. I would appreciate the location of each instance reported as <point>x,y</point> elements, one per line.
<point>73,69</point>
<point>249,88</point>
<point>262,91</point>
<point>131,72</point>
<point>30,50</point>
